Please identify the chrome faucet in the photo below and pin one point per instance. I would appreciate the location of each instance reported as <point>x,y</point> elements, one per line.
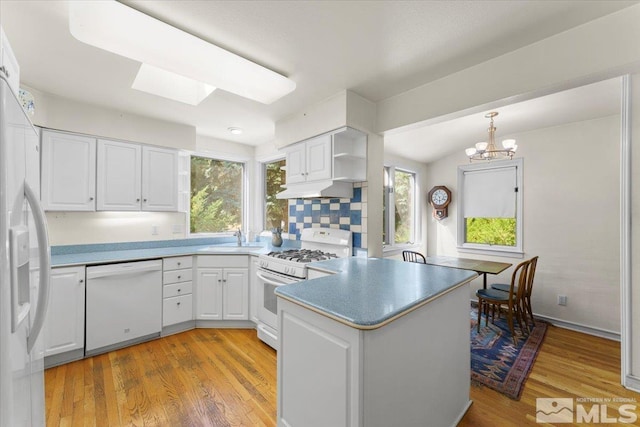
<point>238,234</point>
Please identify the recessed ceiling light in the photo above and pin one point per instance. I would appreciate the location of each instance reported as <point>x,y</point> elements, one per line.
<point>170,85</point>
<point>235,131</point>
<point>120,29</point>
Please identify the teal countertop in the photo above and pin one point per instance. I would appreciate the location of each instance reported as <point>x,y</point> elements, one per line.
<point>367,293</point>
<point>64,256</point>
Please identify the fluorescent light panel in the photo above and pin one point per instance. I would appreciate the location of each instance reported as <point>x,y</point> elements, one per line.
<point>164,83</point>
<point>119,29</point>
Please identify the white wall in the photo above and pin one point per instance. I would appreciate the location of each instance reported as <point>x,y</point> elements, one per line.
<point>605,47</point>
<point>61,113</point>
<point>74,228</point>
<point>571,219</point>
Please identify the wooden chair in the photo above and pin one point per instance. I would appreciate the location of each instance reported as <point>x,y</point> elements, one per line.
<point>511,299</point>
<point>526,296</point>
<point>411,256</point>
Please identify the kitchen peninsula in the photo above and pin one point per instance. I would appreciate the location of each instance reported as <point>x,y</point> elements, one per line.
<point>379,343</point>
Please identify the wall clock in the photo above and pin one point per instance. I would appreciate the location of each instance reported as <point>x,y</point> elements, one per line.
<point>439,198</point>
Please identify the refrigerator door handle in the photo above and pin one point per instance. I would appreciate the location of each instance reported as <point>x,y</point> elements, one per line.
<point>44,253</point>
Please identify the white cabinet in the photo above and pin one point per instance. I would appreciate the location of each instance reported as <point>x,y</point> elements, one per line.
<point>68,172</point>
<point>9,66</point>
<point>119,176</point>
<point>309,160</point>
<point>132,177</point>
<point>222,286</point>
<point>339,156</point>
<point>177,296</point>
<point>159,179</point>
<point>64,323</point>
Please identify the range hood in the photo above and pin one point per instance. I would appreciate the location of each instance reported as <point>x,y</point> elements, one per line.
<point>316,189</point>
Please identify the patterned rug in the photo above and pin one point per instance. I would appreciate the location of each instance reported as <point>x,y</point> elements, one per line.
<point>495,361</point>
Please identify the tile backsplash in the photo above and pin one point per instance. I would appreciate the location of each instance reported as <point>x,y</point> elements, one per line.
<point>345,214</point>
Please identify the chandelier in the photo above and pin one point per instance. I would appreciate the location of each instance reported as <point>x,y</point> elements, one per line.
<point>489,150</point>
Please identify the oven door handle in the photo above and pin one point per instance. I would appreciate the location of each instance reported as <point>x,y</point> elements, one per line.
<point>269,281</point>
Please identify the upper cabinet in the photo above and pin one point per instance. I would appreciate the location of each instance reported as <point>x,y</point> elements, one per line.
<point>68,172</point>
<point>133,177</point>
<point>82,174</point>
<point>119,176</point>
<point>159,179</point>
<point>309,160</point>
<point>337,156</point>
<point>9,66</point>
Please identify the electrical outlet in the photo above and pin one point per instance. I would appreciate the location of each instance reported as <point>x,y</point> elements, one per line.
<point>177,228</point>
<point>154,230</point>
<point>562,300</point>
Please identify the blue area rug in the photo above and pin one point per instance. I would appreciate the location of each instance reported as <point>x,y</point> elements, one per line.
<point>495,361</point>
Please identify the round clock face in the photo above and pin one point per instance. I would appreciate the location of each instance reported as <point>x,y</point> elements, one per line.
<point>439,197</point>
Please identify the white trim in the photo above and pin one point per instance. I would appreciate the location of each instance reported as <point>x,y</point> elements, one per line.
<point>632,383</point>
<point>515,251</point>
<point>245,195</point>
<point>417,212</point>
<point>626,306</point>
<point>579,327</point>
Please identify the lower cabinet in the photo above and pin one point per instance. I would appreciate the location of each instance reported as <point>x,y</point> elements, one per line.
<point>222,287</point>
<point>64,322</point>
<point>177,298</point>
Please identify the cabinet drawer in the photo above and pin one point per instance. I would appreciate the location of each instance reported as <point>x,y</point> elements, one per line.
<point>177,289</point>
<point>223,261</point>
<point>176,276</point>
<point>175,263</point>
<point>177,309</point>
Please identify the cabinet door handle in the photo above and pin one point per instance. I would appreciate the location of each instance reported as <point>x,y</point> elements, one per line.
<point>219,280</point>
<point>144,200</point>
<point>90,199</point>
<point>81,280</point>
<point>137,200</point>
<point>224,280</point>
<point>178,264</point>
<point>178,303</point>
<point>179,290</point>
<point>179,277</point>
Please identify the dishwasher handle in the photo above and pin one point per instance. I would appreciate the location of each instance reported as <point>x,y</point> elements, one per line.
<point>122,270</point>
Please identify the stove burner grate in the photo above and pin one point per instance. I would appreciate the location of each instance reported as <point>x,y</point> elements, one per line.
<point>302,255</point>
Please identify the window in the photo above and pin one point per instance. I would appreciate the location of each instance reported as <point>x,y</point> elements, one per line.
<point>217,195</point>
<point>490,213</point>
<point>399,207</point>
<point>276,210</point>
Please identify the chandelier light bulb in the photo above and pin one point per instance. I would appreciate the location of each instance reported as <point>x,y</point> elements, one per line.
<point>481,146</point>
<point>508,143</point>
<point>470,151</point>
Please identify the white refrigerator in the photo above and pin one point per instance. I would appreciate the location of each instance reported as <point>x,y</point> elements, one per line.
<point>24,268</point>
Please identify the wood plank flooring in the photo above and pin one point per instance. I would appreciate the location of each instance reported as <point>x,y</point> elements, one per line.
<point>227,377</point>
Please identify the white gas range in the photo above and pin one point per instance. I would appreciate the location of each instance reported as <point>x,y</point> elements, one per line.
<point>289,266</point>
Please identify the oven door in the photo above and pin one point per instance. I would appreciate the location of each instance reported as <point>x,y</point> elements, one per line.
<point>267,282</point>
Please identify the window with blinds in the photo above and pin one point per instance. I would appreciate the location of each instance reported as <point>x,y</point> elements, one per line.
<point>490,212</point>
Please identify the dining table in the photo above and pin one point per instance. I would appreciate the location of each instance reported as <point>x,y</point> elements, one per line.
<point>482,267</point>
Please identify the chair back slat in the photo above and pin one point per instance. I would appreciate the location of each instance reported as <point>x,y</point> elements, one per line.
<point>411,256</point>
<point>518,282</point>
<point>533,262</point>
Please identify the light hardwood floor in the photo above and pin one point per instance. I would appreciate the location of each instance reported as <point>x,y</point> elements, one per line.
<point>227,377</point>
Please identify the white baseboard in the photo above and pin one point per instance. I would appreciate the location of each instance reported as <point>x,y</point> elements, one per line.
<point>590,330</point>
<point>632,383</point>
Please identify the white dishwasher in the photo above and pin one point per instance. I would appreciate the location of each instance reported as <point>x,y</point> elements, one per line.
<point>124,304</point>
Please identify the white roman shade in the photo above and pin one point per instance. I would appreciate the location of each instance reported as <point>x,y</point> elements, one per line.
<point>490,193</point>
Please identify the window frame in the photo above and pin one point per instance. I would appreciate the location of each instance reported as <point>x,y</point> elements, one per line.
<point>263,192</point>
<point>245,196</point>
<point>487,249</point>
<point>390,214</point>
